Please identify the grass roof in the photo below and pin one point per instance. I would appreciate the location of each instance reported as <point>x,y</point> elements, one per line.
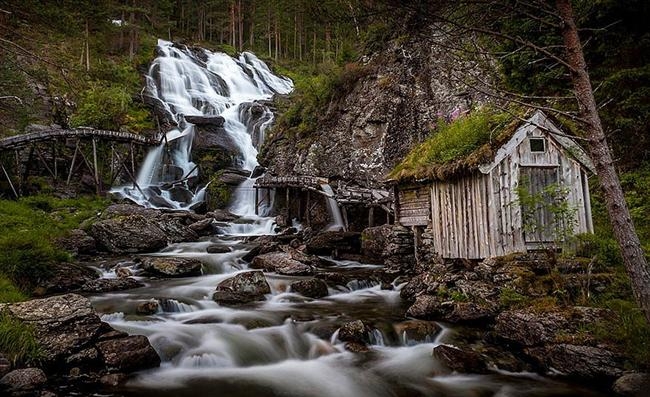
<point>457,147</point>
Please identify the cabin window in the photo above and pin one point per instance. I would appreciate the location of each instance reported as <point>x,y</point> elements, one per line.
<point>537,145</point>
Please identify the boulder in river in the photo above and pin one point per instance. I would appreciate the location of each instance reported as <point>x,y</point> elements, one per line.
<point>355,331</point>
<point>111,284</point>
<point>632,385</point>
<point>23,380</point>
<point>166,266</point>
<point>417,331</point>
<point>70,333</point>
<point>131,233</point>
<point>312,288</point>
<point>586,362</point>
<point>467,362</point>
<point>282,263</point>
<point>243,287</point>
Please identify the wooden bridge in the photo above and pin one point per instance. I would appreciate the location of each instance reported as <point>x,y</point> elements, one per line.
<point>65,153</point>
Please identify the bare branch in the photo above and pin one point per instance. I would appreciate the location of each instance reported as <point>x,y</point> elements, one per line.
<point>12,97</point>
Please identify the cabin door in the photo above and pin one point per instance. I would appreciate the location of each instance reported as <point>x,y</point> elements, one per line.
<point>537,215</point>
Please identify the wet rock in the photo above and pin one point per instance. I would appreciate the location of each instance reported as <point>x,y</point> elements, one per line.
<point>312,288</point>
<point>86,357</point>
<point>78,241</point>
<point>528,328</point>
<point>417,331</point>
<point>203,227</point>
<point>220,215</point>
<point>148,307</point>
<point>471,313</point>
<point>587,362</point>
<point>374,241</point>
<point>129,353</point>
<point>426,307</point>
<point>632,385</point>
<point>165,266</point>
<point>467,362</point>
<point>25,379</point>
<point>65,277</point>
<point>123,272</point>
<point>111,284</point>
<point>242,288</point>
<point>5,365</point>
<point>218,249</point>
<point>425,283</point>
<point>233,177</point>
<point>326,243</point>
<point>120,210</point>
<point>131,233</point>
<point>180,193</point>
<point>356,347</point>
<point>281,263</point>
<point>212,121</point>
<point>175,229</point>
<point>258,171</point>
<point>113,380</point>
<point>63,324</point>
<point>355,331</point>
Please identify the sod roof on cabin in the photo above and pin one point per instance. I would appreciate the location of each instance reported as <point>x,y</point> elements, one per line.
<point>457,148</point>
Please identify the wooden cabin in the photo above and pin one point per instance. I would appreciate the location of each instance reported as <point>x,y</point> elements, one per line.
<point>478,214</point>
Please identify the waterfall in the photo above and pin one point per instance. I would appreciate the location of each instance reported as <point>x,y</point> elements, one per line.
<point>203,83</point>
<point>333,209</point>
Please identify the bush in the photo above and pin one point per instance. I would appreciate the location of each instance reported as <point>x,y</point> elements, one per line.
<point>17,341</point>
<point>102,107</point>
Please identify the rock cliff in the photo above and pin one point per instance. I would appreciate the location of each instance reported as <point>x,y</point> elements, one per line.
<point>406,88</point>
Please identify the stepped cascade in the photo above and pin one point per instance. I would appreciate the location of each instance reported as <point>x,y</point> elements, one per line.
<point>194,82</point>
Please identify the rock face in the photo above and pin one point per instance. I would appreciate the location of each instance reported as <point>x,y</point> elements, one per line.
<point>632,385</point>
<point>394,99</point>
<point>165,266</point>
<point>242,288</point>
<point>70,334</point>
<point>111,284</point>
<point>66,277</point>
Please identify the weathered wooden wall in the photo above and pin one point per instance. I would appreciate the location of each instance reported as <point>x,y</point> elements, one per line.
<point>480,216</point>
<point>414,206</point>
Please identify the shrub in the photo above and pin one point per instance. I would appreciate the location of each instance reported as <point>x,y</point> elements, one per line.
<point>102,107</point>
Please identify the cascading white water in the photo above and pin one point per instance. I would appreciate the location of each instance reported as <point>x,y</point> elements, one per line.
<point>203,83</point>
<point>333,209</point>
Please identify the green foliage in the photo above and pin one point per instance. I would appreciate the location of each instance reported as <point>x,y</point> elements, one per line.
<point>218,194</point>
<point>452,140</point>
<point>17,340</point>
<point>30,225</point>
<point>314,94</point>
<point>102,107</point>
<point>508,297</point>
<point>552,199</point>
<point>627,329</point>
<point>9,292</point>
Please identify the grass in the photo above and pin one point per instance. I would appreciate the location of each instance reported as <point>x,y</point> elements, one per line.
<point>31,225</point>
<point>17,341</point>
<point>451,141</point>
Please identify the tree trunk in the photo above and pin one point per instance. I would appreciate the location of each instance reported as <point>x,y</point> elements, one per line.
<point>624,231</point>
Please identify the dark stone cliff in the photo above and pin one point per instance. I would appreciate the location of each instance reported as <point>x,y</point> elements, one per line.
<point>408,86</point>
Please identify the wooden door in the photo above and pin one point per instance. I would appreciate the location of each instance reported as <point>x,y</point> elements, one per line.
<point>537,216</point>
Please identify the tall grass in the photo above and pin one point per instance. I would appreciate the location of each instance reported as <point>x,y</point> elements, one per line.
<point>17,341</point>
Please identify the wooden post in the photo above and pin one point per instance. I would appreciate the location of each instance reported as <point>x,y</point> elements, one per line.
<point>287,197</point>
<point>346,225</point>
<point>371,216</point>
<point>97,188</point>
<point>132,160</point>
<point>257,204</point>
<point>9,180</point>
<point>308,210</point>
<point>56,169</point>
<point>74,157</point>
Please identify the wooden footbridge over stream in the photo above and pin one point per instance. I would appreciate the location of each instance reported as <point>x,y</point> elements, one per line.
<point>66,155</point>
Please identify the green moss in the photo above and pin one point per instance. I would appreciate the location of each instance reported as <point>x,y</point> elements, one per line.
<point>9,292</point>
<point>17,340</point>
<point>452,141</point>
<point>218,193</point>
<point>508,297</point>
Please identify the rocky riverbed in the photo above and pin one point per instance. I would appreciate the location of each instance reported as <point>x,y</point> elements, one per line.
<point>172,293</point>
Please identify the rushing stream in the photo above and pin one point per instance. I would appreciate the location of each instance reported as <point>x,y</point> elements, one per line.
<point>286,345</point>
